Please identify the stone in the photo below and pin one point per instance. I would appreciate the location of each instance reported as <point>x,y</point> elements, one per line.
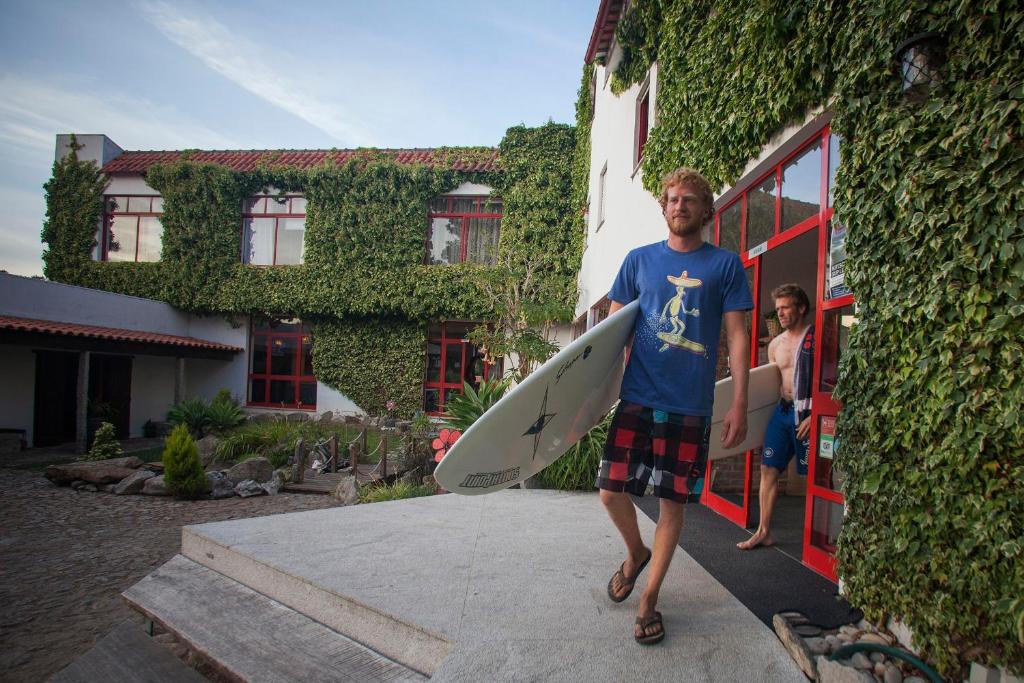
<point>850,630</point>
<point>834,672</point>
<point>220,487</point>
<point>347,491</point>
<point>96,472</point>
<point>207,447</point>
<point>285,473</point>
<point>133,483</point>
<point>798,650</point>
<point>412,477</point>
<point>155,486</point>
<point>327,416</point>
<point>77,484</point>
<point>273,486</point>
<point>892,674</point>
<point>297,417</point>
<point>914,679</point>
<point>249,488</point>
<point>876,657</point>
<point>91,488</point>
<point>108,488</point>
<point>879,638</point>
<point>817,646</point>
<point>256,469</point>
<point>859,660</point>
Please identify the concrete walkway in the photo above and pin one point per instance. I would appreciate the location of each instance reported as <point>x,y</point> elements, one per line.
<point>507,586</point>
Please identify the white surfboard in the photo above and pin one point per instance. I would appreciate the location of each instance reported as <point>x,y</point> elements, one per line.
<point>539,419</point>
<point>762,395</point>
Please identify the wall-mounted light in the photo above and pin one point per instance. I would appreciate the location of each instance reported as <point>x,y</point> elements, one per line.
<point>921,59</point>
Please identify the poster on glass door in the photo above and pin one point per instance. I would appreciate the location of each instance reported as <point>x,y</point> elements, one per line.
<point>837,261</point>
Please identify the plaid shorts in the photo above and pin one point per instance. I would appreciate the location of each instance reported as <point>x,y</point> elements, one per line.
<point>647,446</point>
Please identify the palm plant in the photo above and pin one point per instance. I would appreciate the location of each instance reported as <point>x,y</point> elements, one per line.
<point>223,415</point>
<point>463,410</point>
<point>193,413</point>
<point>577,469</point>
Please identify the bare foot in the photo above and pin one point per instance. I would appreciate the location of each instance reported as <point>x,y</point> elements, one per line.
<point>760,538</point>
<point>621,585</point>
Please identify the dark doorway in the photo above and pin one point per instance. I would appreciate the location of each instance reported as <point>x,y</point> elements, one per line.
<point>110,392</point>
<point>56,384</point>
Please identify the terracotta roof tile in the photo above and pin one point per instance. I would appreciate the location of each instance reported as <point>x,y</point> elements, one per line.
<point>247,160</point>
<point>109,333</point>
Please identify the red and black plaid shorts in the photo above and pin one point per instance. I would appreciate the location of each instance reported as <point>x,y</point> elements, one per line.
<point>647,446</point>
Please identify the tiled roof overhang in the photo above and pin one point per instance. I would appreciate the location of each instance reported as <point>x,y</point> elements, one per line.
<point>604,29</point>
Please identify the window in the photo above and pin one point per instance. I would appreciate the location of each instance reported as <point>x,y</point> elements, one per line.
<point>273,230</point>
<point>281,365</point>
<point>133,229</point>
<point>643,125</point>
<point>599,311</point>
<point>579,326</point>
<point>451,360</point>
<point>464,229</point>
<point>600,196</point>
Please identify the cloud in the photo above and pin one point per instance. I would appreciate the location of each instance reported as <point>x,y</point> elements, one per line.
<point>22,250</point>
<point>247,65</point>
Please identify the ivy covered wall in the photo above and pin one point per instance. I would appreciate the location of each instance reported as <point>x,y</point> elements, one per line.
<point>931,432</point>
<point>363,283</point>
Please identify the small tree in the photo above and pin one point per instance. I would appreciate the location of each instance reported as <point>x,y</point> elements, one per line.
<point>183,472</point>
<point>105,444</point>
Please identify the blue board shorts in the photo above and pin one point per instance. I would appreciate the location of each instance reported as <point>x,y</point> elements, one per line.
<point>780,442</point>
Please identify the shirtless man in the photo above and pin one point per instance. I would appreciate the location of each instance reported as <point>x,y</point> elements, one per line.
<point>787,432</point>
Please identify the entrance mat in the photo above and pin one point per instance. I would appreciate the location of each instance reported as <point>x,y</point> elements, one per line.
<point>765,580</point>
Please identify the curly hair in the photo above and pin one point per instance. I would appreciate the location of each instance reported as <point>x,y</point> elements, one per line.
<point>687,176</point>
<point>792,291</point>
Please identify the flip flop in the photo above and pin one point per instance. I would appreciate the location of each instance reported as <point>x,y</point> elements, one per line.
<point>630,580</point>
<point>643,623</point>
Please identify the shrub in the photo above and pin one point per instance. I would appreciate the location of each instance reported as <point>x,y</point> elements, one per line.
<point>105,444</point>
<point>193,413</point>
<point>222,415</point>
<point>183,472</point>
<point>465,409</point>
<point>577,469</point>
<point>224,396</point>
<point>397,491</point>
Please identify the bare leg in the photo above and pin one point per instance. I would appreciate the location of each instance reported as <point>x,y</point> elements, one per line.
<point>767,492</point>
<point>623,515</point>
<point>666,538</point>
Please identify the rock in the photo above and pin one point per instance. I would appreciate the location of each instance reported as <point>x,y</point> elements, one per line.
<point>876,657</point>
<point>98,472</point>
<point>285,474</point>
<point>207,447</point>
<point>91,488</point>
<point>256,469</point>
<point>834,672</point>
<point>914,679</point>
<point>798,650</point>
<point>850,630</point>
<point>347,491</point>
<point>249,488</point>
<point>859,660</point>
<point>108,488</point>
<point>879,638</point>
<point>412,477</point>
<point>220,487</point>
<point>297,417</point>
<point>327,416</point>
<point>892,674</point>
<point>154,486</point>
<point>845,638</point>
<point>817,646</point>
<point>273,486</point>
<point>77,484</point>
<point>133,483</point>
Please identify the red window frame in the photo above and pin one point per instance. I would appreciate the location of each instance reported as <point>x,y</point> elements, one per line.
<point>441,385</point>
<point>465,217</point>
<point>108,217</point>
<point>643,108</point>
<point>277,216</point>
<point>303,338</point>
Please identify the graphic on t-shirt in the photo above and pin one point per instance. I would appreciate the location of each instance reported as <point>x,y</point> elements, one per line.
<point>671,314</point>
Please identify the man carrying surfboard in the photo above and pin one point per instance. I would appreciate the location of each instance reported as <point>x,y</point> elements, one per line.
<point>786,436</point>
<point>687,289</point>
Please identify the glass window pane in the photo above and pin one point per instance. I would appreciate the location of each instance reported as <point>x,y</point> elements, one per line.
<point>254,205</point>
<point>307,356</point>
<point>277,204</point>
<point>801,187</point>
<point>282,391</point>
<point>121,241</point>
<point>258,391</point>
<point>283,352</point>
<point>448,393</point>
<point>835,272</point>
<point>433,362</point>
<point>761,213</point>
<point>259,354</point>
<point>151,234</point>
<point>158,205</point>
<point>482,240</point>
<point>439,205</point>
<point>826,521</point>
<point>138,204</point>
<point>307,393</point>
<point>445,240</point>
<point>258,241</point>
<point>431,403</point>
<point>834,144</point>
<point>492,205</point>
<point>290,237</point>
<point>835,335</point>
<point>729,227</point>
<point>464,204</point>
<point>298,205</point>
<point>728,476</point>
<point>119,204</point>
<point>453,363</point>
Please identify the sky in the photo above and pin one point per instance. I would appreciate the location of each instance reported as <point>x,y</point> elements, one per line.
<point>154,74</point>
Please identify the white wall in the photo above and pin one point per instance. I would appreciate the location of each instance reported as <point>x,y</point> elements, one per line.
<point>152,390</point>
<point>129,184</point>
<point>17,388</point>
<point>327,399</point>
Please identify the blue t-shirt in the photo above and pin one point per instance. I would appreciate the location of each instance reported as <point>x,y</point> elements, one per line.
<point>675,343</point>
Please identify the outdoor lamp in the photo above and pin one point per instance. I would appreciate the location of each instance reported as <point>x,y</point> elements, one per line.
<point>920,58</point>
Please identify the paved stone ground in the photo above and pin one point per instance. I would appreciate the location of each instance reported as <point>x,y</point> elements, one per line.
<point>66,556</point>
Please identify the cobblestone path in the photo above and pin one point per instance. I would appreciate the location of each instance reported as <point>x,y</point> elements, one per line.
<point>66,556</point>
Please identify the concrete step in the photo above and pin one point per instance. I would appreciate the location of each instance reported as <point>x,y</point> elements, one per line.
<point>127,655</point>
<point>250,637</point>
<point>404,642</point>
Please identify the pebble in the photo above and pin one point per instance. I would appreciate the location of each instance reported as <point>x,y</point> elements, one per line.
<point>914,679</point>
<point>878,638</point>
<point>879,669</point>
<point>860,661</point>
<point>818,646</point>
<point>68,557</point>
<point>876,657</point>
<point>892,674</point>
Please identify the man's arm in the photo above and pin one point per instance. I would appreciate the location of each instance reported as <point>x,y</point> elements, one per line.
<point>734,426</point>
<point>614,306</point>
